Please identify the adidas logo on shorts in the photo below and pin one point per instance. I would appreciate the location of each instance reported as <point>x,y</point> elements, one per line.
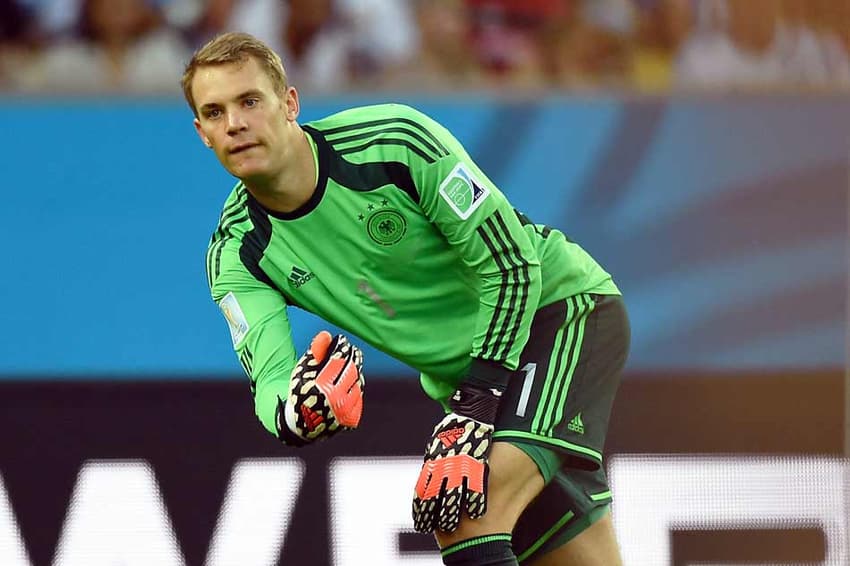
<point>576,425</point>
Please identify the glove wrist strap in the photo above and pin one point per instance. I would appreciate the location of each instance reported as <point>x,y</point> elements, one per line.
<point>476,403</point>
<point>284,433</point>
<point>479,395</point>
<point>485,374</point>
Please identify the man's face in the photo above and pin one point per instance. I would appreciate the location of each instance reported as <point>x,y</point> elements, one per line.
<point>242,118</point>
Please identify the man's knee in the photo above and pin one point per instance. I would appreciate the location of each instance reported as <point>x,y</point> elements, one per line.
<point>514,481</point>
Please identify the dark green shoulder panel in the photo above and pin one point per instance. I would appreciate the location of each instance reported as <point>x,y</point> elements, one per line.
<point>233,214</point>
<point>371,146</point>
<point>241,224</point>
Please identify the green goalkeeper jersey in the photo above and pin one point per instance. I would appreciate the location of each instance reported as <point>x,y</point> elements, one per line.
<point>405,244</point>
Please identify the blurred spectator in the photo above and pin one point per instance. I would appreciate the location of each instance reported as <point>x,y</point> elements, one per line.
<point>54,18</point>
<point>661,29</point>
<point>17,23</point>
<point>738,48</point>
<point>445,58</point>
<point>758,44</point>
<point>121,46</point>
<point>831,26</point>
<point>18,37</point>
<point>800,45</point>
<point>381,39</point>
<point>326,45</point>
<point>813,52</point>
<point>553,43</point>
<point>59,19</point>
<point>521,43</point>
<point>841,24</point>
<point>312,46</point>
<point>599,45</point>
<point>261,18</point>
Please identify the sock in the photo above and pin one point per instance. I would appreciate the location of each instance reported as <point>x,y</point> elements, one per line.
<point>487,550</point>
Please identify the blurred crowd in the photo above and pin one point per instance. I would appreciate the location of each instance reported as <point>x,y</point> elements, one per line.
<point>331,46</point>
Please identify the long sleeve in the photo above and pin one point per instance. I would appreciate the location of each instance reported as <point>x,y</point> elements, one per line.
<point>259,328</point>
<point>477,220</point>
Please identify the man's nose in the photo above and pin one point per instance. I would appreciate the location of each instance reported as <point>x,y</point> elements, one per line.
<point>235,122</point>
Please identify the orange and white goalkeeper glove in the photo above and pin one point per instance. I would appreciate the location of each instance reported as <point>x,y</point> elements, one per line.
<point>325,392</point>
<point>453,479</point>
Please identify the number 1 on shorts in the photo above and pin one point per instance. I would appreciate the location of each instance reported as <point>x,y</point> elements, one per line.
<point>529,370</point>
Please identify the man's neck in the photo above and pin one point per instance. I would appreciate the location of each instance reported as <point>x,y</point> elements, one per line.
<point>293,186</point>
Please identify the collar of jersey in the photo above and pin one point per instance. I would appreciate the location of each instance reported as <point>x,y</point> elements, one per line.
<point>323,154</point>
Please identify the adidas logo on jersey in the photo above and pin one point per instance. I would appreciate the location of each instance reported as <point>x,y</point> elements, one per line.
<point>299,277</point>
<point>576,425</point>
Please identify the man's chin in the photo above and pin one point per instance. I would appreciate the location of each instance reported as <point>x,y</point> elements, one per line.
<point>248,171</point>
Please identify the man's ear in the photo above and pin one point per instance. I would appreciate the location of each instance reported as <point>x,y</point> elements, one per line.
<point>292,105</point>
<point>201,134</point>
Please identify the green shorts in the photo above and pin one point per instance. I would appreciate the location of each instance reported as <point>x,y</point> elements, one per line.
<point>556,409</point>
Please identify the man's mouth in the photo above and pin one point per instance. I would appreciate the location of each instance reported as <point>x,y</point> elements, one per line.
<point>242,147</point>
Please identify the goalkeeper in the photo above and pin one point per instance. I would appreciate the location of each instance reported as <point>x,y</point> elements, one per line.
<point>377,220</point>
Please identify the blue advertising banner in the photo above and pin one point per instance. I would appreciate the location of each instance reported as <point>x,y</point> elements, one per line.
<point>724,222</point>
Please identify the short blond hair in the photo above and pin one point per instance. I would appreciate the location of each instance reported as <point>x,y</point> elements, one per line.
<point>234,47</point>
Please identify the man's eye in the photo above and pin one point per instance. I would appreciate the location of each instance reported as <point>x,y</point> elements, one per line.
<point>215,113</point>
<point>251,102</point>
